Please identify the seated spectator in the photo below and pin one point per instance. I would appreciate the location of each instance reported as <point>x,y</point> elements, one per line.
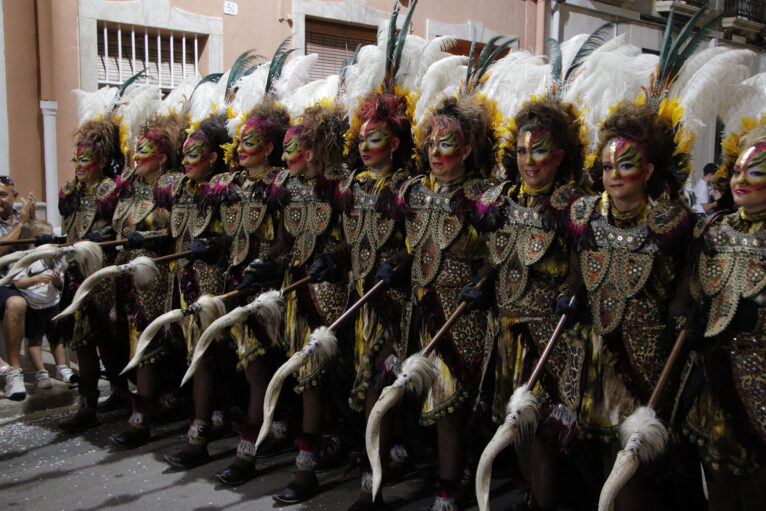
<point>41,285</point>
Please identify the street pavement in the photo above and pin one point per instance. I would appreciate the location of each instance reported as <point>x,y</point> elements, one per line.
<point>44,469</point>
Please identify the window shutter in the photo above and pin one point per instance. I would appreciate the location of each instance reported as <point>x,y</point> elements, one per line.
<point>335,43</point>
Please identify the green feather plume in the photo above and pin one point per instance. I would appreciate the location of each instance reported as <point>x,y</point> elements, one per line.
<point>277,63</point>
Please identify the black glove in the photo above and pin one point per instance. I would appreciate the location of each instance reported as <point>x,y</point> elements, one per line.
<point>96,236</point>
<point>563,307</point>
<point>325,269</point>
<point>390,275</point>
<point>135,240</point>
<point>474,297</point>
<point>261,270</point>
<point>48,238</point>
<point>207,251</point>
<point>249,283</point>
<point>746,317</point>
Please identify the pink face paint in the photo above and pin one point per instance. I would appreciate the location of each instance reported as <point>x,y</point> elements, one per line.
<point>250,144</point>
<point>625,170</point>
<point>293,153</point>
<point>748,178</point>
<point>536,157</point>
<point>375,144</point>
<point>196,160</point>
<point>87,162</point>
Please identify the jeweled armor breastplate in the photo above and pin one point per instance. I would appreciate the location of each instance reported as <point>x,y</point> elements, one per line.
<point>133,210</point>
<point>432,228</point>
<point>81,222</point>
<point>306,217</point>
<point>619,267</point>
<point>243,218</point>
<point>364,229</point>
<point>736,270</point>
<point>519,243</point>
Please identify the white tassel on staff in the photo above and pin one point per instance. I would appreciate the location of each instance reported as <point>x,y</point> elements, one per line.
<point>644,438</point>
<point>143,269</point>
<point>270,303</point>
<point>520,423</point>
<point>321,347</point>
<point>417,375</point>
<point>209,308</point>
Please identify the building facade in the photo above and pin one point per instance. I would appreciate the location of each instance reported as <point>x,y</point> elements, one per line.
<point>50,47</point>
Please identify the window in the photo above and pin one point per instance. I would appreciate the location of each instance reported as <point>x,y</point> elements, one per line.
<point>334,42</point>
<point>169,57</point>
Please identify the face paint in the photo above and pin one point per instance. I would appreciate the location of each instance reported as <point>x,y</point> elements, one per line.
<point>87,165</point>
<point>375,143</point>
<point>251,149</point>
<point>748,178</point>
<point>147,157</point>
<point>625,170</point>
<point>293,154</point>
<point>537,158</point>
<point>196,160</point>
<point>445,154</point>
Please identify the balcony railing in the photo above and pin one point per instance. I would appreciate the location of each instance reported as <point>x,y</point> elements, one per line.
<point>752,10</point>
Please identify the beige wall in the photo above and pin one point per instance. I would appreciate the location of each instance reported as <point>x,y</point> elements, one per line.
<point>24,122</point>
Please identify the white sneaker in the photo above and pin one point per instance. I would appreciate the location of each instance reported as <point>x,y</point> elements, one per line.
<point>64,373</point>
<point>14,385</point>
<point>42,380</point>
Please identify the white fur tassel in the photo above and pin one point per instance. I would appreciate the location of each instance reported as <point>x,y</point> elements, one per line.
<point>522,412</point>
<point>418,375</point>
<point>643,432</point>
<point>150,332</point>
<point>644,438</point>
<point>88,255</point>
<point>144,270</point>
<point>268,309</point>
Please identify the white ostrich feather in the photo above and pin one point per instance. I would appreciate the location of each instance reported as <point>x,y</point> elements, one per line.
<point>643,432</point>
<point>569,50</point>
<point>362,77</point>
<point>310,94</point>
<point>433,51</point>
<point>93,104</point>
<point>139,102</point>
<point>514,79</point>
<point>176,99</point>
<point>294,75</point>
<point>268,309</point>
<point>692,65</point>
<point>150,332</point>
<point>441,76</point>
<point>708,89</point>
<point>202,102</point>
<point>746,100</point>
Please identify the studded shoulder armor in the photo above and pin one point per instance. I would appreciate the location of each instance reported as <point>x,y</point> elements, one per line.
<point>80,222</point>
<point>243,218</point>
<point>736,270</point>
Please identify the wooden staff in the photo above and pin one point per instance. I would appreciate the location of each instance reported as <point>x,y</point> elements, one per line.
<point>521,418</point>
<point>418,375</point>
<point>321,347</point>
<point>643,435</point>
